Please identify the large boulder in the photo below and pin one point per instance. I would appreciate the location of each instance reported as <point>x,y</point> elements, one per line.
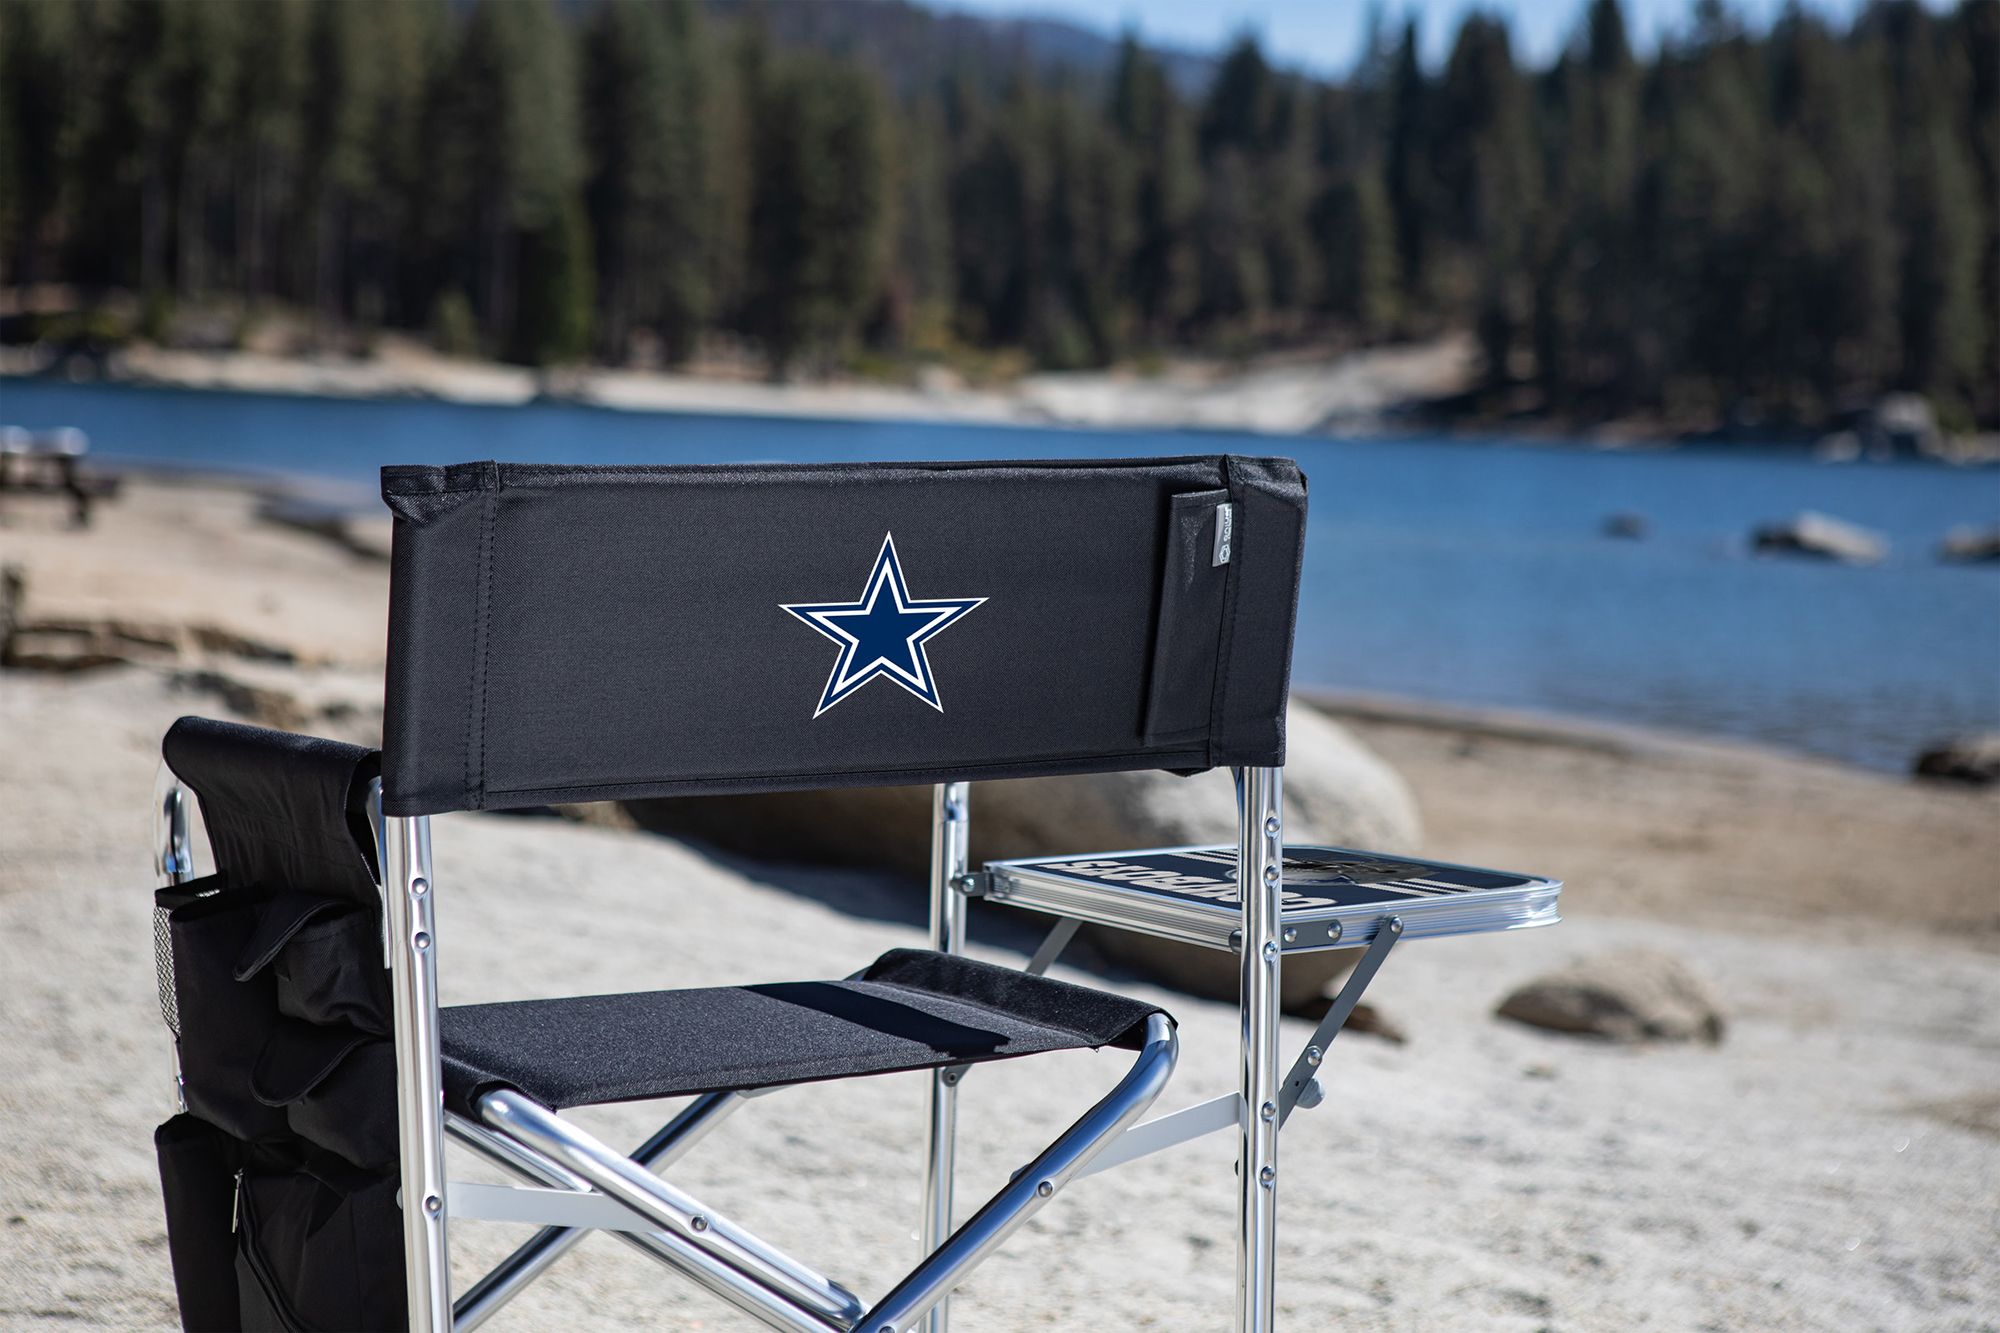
<point>1634,995</point>
<point>1336,791</point>
<point>1973,760</point>
<point>1822,537</point>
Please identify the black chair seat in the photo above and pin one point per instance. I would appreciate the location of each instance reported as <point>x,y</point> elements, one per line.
<point>910,1009</point>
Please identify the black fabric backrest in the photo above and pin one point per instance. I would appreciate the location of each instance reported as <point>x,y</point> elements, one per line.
<point>591,633</point>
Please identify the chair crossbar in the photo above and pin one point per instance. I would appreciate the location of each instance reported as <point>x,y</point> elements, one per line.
<point>1171,1130</point>
<point>708,1272</point>
<point>586,1210</point>
<point>533,1257</point>
<point>527,1122</point>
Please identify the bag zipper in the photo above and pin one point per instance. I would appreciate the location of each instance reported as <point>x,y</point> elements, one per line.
<point>245,1228</point>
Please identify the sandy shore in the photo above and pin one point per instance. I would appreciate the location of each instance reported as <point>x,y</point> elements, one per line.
<point>1833,1164</point>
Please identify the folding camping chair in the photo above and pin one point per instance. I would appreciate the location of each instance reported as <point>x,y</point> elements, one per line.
<point>575,634</point>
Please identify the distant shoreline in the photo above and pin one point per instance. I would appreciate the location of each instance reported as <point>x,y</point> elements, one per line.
<point>1362,392</point>
<point>1382,392</point>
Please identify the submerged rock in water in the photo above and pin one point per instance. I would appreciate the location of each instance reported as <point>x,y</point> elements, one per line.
<point>1969,545</point>
<point>1823,537</point>
<point>1631,996</point>
<point>1974,760</point>
<point>1632,527</point>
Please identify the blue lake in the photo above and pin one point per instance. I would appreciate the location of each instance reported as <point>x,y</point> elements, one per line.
<point>1468,572</point>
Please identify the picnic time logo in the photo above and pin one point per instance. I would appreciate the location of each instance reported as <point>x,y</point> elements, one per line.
<point>883,632</point>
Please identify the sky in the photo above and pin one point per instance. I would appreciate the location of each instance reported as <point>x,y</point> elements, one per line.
<point>1324,36</point>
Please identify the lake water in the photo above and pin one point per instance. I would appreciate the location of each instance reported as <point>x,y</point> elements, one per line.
<point>1468,572</point>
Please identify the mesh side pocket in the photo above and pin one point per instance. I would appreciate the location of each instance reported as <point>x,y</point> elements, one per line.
<point>165,901</point>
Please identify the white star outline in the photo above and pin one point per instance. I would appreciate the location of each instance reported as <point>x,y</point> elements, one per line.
<point>825,618</point>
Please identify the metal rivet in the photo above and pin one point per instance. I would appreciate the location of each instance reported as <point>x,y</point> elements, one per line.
<point>1313,1055</point>
<point>1333,930</point>
<point>1268,1176</point>
<point>1269,1110</point>
<point>422,941</point>
<point>1291,935</point>
<point>1045,1189</point>
<point>1270,951</point>
<point>1270,874</point>
<point>1235,939</point>
<point>1395,925</point>
<point>1272,827</point>
<point>419,887</point>
<point>433,1204</point>
<point>698,1222</point>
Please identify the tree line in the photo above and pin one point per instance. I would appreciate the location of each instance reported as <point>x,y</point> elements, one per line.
<point>1769,222</point>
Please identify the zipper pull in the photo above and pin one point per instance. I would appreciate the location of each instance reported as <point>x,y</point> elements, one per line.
<point>236,1204</point>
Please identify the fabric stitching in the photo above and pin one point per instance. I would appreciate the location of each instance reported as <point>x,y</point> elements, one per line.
<point>1219,691</point>
<point>831,773</point>
<point>475,703</point>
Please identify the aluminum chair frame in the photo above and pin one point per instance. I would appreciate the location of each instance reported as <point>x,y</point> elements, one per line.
<point>540,1146</point>
<point>576,1184</point>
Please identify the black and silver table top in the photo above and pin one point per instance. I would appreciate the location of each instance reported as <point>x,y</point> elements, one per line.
<point>1334,897</point>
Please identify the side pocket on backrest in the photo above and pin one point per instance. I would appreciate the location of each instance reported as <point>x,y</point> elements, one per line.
<point>1192,593</point>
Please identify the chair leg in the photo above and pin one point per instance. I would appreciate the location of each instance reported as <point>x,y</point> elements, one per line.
<point>406,873</point>
<point>950,850</point>
<point>1260,875</point>
<point>1061,1162</point>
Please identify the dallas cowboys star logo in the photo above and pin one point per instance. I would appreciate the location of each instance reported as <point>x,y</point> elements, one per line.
<point>883,634</point>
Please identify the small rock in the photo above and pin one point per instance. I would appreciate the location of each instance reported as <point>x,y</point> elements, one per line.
<point>1823,537</point>
<point>1632,996</point>
<point>1974,760</point>
<point>361,535</point>
<point>1629,527</point>
<point>261,704</point>
<point>1970,545</point>
<point>1365,1018</point>
<point>215,639</point>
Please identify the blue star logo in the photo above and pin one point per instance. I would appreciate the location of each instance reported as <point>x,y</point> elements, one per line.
<point>883,634</point>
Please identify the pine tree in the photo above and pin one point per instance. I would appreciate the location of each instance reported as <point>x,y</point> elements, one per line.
<point>650,183</point>
<point>1159,141</point>
<point>818,213</point>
